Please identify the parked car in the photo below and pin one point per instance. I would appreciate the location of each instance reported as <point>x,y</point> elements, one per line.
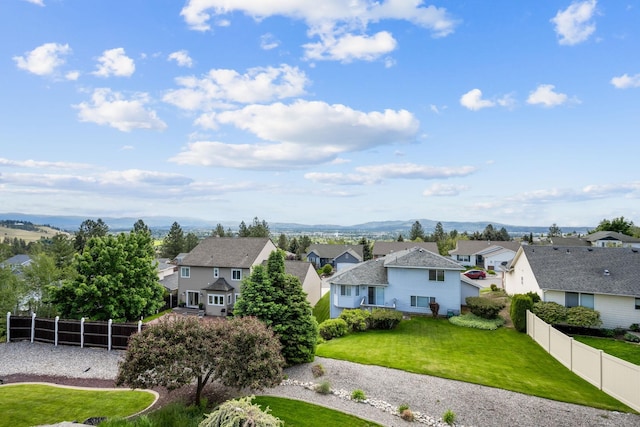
<point>475,274</point>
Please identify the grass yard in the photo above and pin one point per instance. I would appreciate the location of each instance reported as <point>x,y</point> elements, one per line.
<point>502,358</point>
<point>296,413</point>
<point>621,349</point>
<point>36,404</point>
<point>321,309</point>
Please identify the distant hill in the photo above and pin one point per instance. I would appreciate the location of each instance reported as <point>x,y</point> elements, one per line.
<point>393,227</point>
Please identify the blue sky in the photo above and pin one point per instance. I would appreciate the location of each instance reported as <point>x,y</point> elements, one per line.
<point>523,113</point>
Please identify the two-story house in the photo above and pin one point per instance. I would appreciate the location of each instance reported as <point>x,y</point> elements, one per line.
<point>407,280</point>
<point>339,256</point>
<point>211,274</point>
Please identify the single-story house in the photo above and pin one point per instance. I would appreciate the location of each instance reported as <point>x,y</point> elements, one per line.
<point>381,248</point>
<point>484,254</point>
<point>605,279</point>
<point>407,280</point>
<point>607,239</point>
<point>339,256</point>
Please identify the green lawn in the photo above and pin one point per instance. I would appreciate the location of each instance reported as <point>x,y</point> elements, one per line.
<point>36,404</point>
<point>321,309</point>
<point>296,413</point>
<point>502,358</point>
<point>621,349</point>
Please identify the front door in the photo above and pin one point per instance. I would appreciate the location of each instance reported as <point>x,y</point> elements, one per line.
<point>193,298</point>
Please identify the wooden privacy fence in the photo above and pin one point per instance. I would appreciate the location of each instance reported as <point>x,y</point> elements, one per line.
<point>71,332</point>
<point>614,376</point>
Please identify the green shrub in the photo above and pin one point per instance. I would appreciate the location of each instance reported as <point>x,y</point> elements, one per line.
<point>519,306</point>
<point>550,312</point>
<point>357,319</point>
<point>491,272</point>
<point>470,320</point>
<point>493,287</point>
<point>631,337</point>
<point>403,407</point>
<point>484,307</point>
<point>317,370</point>
<point>449,417</point>
<point>239,413</point>
<point>358,395</point>
<point>407,415</point>
<point>634,327</point>
<point>534,296</point>
<point>327,269</point>
<point>323,388</point>
<point>333,328</point>
<point>383,318</point>
<point>583,317</point>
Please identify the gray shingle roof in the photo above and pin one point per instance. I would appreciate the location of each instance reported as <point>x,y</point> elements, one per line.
<point>219,285</point>
<point>385,248</point>
<point>472,247</point>
<point>333,251</point>
<point>580,269</point>
<point>237,252</point>
<point>611,235</point>
<point>170,282</point>
<point>420,258</point>
<point>370,272</point>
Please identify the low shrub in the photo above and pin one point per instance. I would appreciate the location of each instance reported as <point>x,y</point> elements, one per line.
<point>333,328</point>
<point>327,269</point>
<point>494,287</point>
<point>358,395</point>
<point>240,412</point>
<point>550,312</point>
<point>634,327</point>
<point>357,319</point>
<point>382,318</point>
<point>534,296</point>
<point>631,337</point>
<point>407,415</point>
<point>317,370</point>
<point>584,317</point>
<point>484,307</point>
<point>323,388</point>
<point>449,417</point>
<point>403,407</point>
<point>470,320</point>
<point>518,311</point>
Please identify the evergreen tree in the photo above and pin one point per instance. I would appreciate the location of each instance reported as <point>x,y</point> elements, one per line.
<point>190,242</point>
<point>88,229</point>
<point>417,232</point>
<point>294,246</point>
<point>219,231</point>
<point>258,228</point>
<point>174,242</point>
<point>400,238</point>
<point>366,249</point>
<point>141,227</point>
<point>279,301</point>
<point>283,242</point>
<point>243,230</point>
<point>438,233</point>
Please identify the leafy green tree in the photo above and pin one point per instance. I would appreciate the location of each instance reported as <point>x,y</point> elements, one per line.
<point>554,230</point>
<point>174,242</point>
<point>116,279</point>
<point>174,353</point>
<point>619,225</point>
<point>367,253</point>
<point>190,242</point>
<point>278,299</point>
<point>416,232</point>
<point>39,275</point>
<point>88,229</point>
<point>12,292</point>
<point>219,231</point>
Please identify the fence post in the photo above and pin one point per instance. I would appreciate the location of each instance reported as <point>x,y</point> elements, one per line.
<point>139,325</point>
<point>82,332</point>
<point>56,331</point>
<point>33,327</point>
<point>8,326</point>
<point>109,333</point>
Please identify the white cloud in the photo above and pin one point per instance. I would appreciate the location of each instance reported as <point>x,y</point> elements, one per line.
<point>44,59</point>
<point>545,95</point>
<point>574,24</point>
<point>72,75</point>
<point>338,178</point>
<point>626,81</point>
<point>182,58</point>
<point>340,25</point>
<point>41,164</point>
<point>300,134</point>
<point>414,171</point>
<point>219,86</point>
<point>110,108</point>
<point>268,41</point>
<point>349,47</point>
<point>441,190</point>
<point>36,2</point>
<point>115,62</point>
<point>473,100</point>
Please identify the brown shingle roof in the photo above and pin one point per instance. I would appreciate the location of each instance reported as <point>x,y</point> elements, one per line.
<point>238,252</point>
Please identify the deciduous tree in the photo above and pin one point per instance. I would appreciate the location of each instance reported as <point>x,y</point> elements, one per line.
<point>619,225</point>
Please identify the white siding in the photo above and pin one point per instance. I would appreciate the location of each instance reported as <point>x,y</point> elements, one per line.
<point>520,279</point>
<point>615,311</point>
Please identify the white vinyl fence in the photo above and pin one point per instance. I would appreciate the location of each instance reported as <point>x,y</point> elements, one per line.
<point>614,376</point>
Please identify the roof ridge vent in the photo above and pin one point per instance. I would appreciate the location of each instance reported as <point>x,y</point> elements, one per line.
<point>606,272</point>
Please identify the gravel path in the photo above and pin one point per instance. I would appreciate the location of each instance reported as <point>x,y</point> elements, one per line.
<point>473,405</point>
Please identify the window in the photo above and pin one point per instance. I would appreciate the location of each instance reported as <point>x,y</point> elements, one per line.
<point>216,272</point>
<point>215,299</point>
<point>185,272</point>
<point>464,258</point>
<point>436,275</point>
<point>586,300</point>
<point>357,288</point>
<point>418,301</point>
<point>229,299</point>
<point>236,298</point>
<point>575,299</point>
<point>236,274</point>
<point>637,303</point>
<point>345,290</point>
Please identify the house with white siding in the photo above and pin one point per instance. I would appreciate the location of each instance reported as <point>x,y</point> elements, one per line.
<point>606,279</point>
<point>407,281</point>
<point>483,253</point>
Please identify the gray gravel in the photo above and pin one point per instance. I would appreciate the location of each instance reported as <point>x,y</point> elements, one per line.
<point>473,405</point>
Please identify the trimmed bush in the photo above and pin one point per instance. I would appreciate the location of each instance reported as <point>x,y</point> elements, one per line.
<point>357,319</point>
<point>239,413</point>
<point>470,320</point>
<point>327,269</point>
<point>493,287</point>
<point>519,306</point>
<point>382,318</point>
<point>631,337</point>
<point>583,317</point>
<point>551,312</point>
<point>484,307</point>
<point>358,395</point>
<point>534,296</point>
<point>333,328</point>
